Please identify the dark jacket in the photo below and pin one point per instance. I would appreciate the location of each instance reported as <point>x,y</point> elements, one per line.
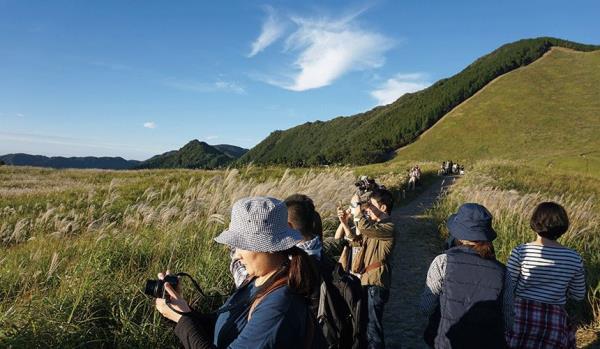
<point>471,302</point>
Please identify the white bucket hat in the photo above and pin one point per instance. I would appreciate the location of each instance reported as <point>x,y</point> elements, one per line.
<point>259,224</point>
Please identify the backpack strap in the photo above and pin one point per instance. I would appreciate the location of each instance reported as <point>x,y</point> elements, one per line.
<point>322,298</point>
<point>371,266</point>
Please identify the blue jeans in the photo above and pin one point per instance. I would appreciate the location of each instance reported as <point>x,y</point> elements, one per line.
<point>376,297</point>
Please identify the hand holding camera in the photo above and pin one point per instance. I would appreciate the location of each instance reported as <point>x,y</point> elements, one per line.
<point>167,291</point>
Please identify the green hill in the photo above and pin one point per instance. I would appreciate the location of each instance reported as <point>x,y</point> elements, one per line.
<point>547,113</point>
<point>195,154</point>
<point>374,135</point>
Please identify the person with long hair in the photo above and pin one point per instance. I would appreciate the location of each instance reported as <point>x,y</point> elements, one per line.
<point>271,308</point>
<point>463,294</point>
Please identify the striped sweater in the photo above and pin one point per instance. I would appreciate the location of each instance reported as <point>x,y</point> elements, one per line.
<point>546,274</point>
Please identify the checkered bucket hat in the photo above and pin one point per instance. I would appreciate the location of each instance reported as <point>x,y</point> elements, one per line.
<point>259,224</point>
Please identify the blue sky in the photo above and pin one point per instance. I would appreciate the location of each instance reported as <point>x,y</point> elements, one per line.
<point>138,78</point>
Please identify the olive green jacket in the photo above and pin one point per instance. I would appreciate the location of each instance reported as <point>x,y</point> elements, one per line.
<point>376,240</point>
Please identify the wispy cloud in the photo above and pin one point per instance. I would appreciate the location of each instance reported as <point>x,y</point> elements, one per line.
<point>272,29</point>
<point>20,115</point>
<point>397,86</point>
<point>328,48</point>
<point>150,124</point>
<point>204,87</point>
<point>210,138</point>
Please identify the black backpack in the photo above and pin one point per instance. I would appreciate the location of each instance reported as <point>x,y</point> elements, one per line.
<point>340,307</point>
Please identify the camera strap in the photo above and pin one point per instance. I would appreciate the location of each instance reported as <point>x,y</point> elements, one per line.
<point>198,288</point>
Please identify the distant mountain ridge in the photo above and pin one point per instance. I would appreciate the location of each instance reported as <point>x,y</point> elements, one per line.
<point>195,154</point>
<point>372,136</point>
<point>106,163</point>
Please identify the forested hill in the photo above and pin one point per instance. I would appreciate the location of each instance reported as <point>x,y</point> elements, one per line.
<point>371,136</point>
<point>195,154</point>
<point>108,163</point>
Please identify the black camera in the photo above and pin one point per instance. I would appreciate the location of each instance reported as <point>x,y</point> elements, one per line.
<point>365,184</point>
<point>365,187</point>
<point>156,288</point>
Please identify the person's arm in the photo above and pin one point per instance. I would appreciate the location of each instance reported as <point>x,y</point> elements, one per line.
<point>513,265</point>
<point>508,300</point>
<point>576,289</point>
<point>383,230</point>
<point>433,285</point>
<point>193,330</point>
<point>344,228</point>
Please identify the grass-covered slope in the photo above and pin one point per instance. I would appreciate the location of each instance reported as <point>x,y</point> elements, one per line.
<point>547,113</point>
<point>371,136</point>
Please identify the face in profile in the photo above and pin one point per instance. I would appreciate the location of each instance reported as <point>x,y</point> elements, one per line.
<point>256,263</point>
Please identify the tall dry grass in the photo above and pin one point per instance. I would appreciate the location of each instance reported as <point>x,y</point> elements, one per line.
<point>75,258</point>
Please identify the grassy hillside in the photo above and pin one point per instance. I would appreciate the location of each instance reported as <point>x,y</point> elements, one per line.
<point>371,136</point>
<point>547,113</point>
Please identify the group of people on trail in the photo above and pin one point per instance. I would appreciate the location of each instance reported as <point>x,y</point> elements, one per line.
<point>289,293</point>
<point>451,168</point>
<point>474,301</point>
<point>414,176</point>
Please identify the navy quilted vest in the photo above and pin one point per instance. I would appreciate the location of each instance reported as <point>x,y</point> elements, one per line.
<point>470,302</point>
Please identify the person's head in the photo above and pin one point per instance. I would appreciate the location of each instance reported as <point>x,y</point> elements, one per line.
<point>265,243</point>
<point>381,200</point>
<point>471,225</point>
<point>303,217</point>
<point>549,220</point>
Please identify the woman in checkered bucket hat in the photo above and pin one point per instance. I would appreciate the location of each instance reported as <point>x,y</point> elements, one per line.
<point>271,308</point>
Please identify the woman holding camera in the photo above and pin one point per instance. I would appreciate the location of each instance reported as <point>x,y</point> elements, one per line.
<point>271,309</point>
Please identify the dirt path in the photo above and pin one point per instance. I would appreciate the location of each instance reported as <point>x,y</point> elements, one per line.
<point>417,244</point>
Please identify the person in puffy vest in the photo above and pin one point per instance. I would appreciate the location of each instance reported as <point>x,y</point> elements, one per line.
<point>464,289</point>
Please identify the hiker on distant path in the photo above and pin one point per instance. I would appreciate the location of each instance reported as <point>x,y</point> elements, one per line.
<point>271,308</point>
<point>372,263</point>
<point>463,293</point>
<point>544,274</point>
<point>412,179</point>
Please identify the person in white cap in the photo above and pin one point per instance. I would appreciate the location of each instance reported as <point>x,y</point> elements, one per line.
<point>271,308</point>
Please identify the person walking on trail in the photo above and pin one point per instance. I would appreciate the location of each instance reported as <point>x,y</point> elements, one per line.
<point>376,241</point>
<point>463,295</point>
<point>544,275</point>
<point>271,308</point>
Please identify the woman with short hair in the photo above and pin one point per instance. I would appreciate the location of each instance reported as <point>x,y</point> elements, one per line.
<point>544,274</point>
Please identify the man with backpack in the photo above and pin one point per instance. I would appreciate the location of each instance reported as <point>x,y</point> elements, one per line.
<point>376,239</point>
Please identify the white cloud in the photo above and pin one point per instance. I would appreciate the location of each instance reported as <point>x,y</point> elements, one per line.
<point>205,87</point>
<point>272,29</point>
<point>397,86</point>
<point>210,138</point>
<point>150,124</point>
<point>20,115</point>
<point>328,48</point>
